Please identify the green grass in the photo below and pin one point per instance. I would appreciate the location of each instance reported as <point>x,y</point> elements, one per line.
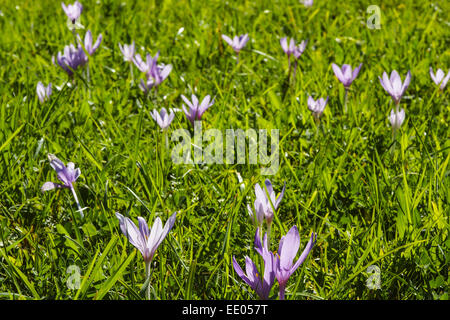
<point>371,199</point>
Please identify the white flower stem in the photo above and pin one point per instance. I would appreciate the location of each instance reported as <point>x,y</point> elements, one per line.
<point>147,279</point>
<point>345,100</point>
<point>269,229</point>
<point>131,72</point>
<point>77,202</point>
<point>166,137</point>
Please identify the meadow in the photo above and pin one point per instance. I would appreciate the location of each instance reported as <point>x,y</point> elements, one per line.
<point>376,199</point>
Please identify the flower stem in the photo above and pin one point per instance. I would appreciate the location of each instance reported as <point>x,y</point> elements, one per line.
<point>269,228</point>
<point>295,71</point>
<point>77,202</point>
<point>88,79</point>
<point>282,289</point>
<point>147,277</point>
<point>345,100</point>
<point>131,73</point>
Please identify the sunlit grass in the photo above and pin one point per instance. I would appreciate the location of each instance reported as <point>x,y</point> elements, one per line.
<point>372,200</point>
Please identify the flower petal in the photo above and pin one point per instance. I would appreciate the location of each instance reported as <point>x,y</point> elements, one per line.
<point>289,249</point>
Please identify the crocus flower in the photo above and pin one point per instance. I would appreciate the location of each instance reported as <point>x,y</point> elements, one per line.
<point>440,77</point>
<point>43,92</point>
<point>252,277</point>
<point>288,48</point>
<point>284,260</point>
<point>263,204</point>
<point>128,51</point>
<point>238,42</point>
<point>71,59</point>
<point>88,42</point>
<point>396,119</point>
<point>73,11</point>
<point>144,239</point>
<point>345,74</point>
<point>291,49</point>
<point>307,3</point>
<point>317,106</point>
<point>155,74</point>
<point>196,110</point>
<point>163,119</point>
<point>66,174</point>
<point>298,50</point>
<point>145,66</point>
<point>158,73</point>
<point>394,86</point>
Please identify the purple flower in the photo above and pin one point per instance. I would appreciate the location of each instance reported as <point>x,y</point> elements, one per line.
<point>144,239</point>
<point>88,42</point>
<point>71,59</point>
<point>73,11</point>
<point>307,3</point>
<point>196,110</point>
<point>163,119</point>
<point>66,174</point>
<point>155,74</point>
<point>298,50</point>
<point>396,118</point>
<point>43,93</point>
<point>317,107</point>
<point>238,42</point>
<point>345,74</point>
<point>284,260</point>
<point>288,48</point>
<point>145,66</point>
<point>438,78</point>
<point>128,52</point>
<point>263,204</point>
<point>252,277</point>
<point>394,86</point>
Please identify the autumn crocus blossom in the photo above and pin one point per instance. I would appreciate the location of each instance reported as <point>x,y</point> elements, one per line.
<point>345,74</point>
<point>196,110</point>
<point>288,48</point>
<point>71,59</point>
<point>440,78</point>
<point>299,49</point>
<point>263,204</point>
<point>146,240</point>
<point>66,174</point>
<point>43,92</point>
<point>155,74</point>
<point>394,85</point>
<point>163,119</point>
<point>73,11</point>
<point>88,42</point>
<point>284,265</point>
<point>396,119</point>
<point>252,276</point>
<point>128,51</point>
<point>238,42</point>
<point>145,66</point>
<point>317,106</point>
